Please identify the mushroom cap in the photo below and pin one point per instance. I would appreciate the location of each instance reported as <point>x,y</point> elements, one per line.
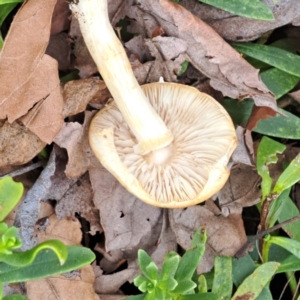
<point>187,172</point>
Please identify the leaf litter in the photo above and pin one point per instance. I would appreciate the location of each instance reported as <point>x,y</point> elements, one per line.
<point>74,180</point>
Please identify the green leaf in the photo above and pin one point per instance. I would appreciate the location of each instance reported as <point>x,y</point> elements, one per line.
<point>1,41</point>
<point>188,263</point>
<point>170,264</point>
<point>199,238</point>
<point>278,81</point>
<point>254,284</point>
<point>10,194</point>
<point>288,244</point>
<point>136,297</point>
<point>184,287</point>
<point>144,261</point>
<point>289,264</point>
<point>266,154</point>
<point>289,176</point>
<point>222,284</point>
<point>202,284</point>
<point>288,211</point>
<point>5,10</point>
<point>281,59</point>
<point>10,1</point>
<point>152,271</point>
<point>253,9</point>
<point>242,268</point>
<point>285,126</point>
<point>21,259</point>
<point>184,67</point>
<point>141,283</point>
<point>14,297</point>
<point>168,284</point>
<point>46,264</point>
<point>202,296</point>
<point>275,209</point>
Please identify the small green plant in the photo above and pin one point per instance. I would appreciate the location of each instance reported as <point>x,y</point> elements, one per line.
<point>52,255</point>
<point>178,279</point>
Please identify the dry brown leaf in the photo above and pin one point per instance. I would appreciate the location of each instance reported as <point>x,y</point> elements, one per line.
<point>82,58</point>
<point>242,154</point>
<point>18,144</point>
<point>59,49</point>
<point>78,93</point>
<point>61,17</point>
<point>74,137</point>
<point>237,28</point>
<point>35,86</point>
<point>63,288</point>
<point>66,230</point>
<point>296,95</point>
<point>241,190</point>
<point>81,286</point>
<point>225,235</point>
<point>207,51</point>
<point>79,199</point>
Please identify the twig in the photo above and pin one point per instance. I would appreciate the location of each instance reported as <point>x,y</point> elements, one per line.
<point>244,249</point>
<point>24,170</point>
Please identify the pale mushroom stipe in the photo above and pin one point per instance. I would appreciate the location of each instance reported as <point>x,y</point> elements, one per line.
<point>166,143</point>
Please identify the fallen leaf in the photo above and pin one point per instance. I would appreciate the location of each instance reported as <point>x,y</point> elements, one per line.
<point>242,154</point>
<point>296,95</point>
<point>82,58</point>
<point>35,86</point>
<point>43,189</point>
<point>225,235</point>
<point>79,199</point>
<point>236,28</point>
<point>75,287</point>
<point>259,113</point>
<point>208,52</point>
<point>18,145</point>
<point>61,287</point>
<point>78,93</point>
<point>61,17</point>
<point>74,137</point>
<point>241,190</point>
<point>59,49</point>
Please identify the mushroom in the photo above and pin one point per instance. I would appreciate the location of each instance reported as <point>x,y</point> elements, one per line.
<point>166,143</point>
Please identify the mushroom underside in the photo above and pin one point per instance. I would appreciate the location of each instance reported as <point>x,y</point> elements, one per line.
<point>191,169</point>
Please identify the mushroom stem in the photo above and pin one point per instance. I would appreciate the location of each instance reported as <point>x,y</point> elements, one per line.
<point>114,67</point>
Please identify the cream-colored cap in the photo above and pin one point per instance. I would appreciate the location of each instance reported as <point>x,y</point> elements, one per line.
<point>188,171</point>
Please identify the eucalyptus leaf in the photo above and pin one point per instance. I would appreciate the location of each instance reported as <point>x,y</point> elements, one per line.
<point>10,194</point>
<point>253,285</point>
<point>46,264</point>
<point>254,9</point>
<point>289,176</point>
<point>266,154</point>
<point>279,58</point>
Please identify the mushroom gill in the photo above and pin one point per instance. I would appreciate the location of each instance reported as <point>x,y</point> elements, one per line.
<point>194,165</point>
